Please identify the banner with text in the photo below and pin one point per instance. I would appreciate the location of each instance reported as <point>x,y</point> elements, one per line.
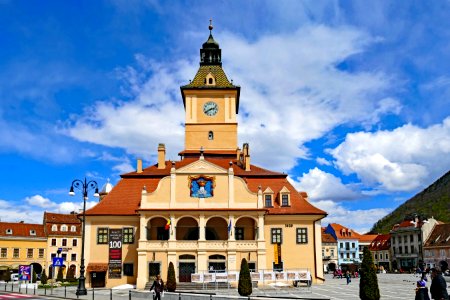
<point>115,253</point>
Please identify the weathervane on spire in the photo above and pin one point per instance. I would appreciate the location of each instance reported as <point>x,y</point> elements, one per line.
<point>210,25</point>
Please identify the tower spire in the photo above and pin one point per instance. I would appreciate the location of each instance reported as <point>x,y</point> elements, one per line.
<point>210,54</point>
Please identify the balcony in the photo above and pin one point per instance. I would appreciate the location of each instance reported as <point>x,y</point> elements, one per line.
<point>246,245</point>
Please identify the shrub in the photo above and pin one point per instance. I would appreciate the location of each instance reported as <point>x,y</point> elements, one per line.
<point>60,276</point>
<point>70,275</point>
<point>44,278</point>
<point>368,284</point>
<point>245,282</point>
<point>171,283</point>
<point>33,277</point>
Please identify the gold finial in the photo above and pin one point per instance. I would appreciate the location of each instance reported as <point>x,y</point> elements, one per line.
<point>210,25</point>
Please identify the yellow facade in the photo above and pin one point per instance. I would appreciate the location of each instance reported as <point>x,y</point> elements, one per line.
<point>211,209</point>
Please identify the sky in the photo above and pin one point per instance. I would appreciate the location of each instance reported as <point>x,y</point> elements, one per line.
<point>350,98</point>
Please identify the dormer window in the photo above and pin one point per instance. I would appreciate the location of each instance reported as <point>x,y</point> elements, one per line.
<point>64,227</point>
<point>73,228</point>
<point>284,196</point>
<point>9,231</point>
<point>54,228</point>
<point>268,197</point>
<point>32,232</point>
<point>210,80</point>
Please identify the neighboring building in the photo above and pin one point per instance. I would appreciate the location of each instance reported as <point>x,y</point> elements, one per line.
<point>407,241</point>
<point>207,211</point>
<point>63,232</point>
<point>347,244</point>
<point>381,251</point>
<point>21,244</point>
<point>364,241</point>
<point>437,247</point>
<point>329,252</point>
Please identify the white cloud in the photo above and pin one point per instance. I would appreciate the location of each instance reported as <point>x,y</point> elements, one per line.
<point>323,161</point>
<point>360,220</point>
<point>325,186</point>
<point>33,210</point>
<point>292,92</point>
<point>403,159</point>
<point>39,201</point>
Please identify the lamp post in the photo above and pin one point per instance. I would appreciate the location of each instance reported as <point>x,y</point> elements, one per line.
<point>84,187</point>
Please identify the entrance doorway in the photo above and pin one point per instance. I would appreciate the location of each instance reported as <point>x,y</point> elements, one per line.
<point>186,267</point>
<point>98,279</point>
<point>154,269</point>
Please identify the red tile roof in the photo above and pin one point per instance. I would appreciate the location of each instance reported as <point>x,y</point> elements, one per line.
<point>344,233</point>
<point>439,237</point>
<point>70,220</point>
<point>125,197</point>
<point>21,230</point>
<point>328,238</point>
<point>368,238</point>
<point>381,242</point>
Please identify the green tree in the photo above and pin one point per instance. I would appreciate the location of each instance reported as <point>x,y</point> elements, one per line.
<point>34,277</point>
<point>368,284</point>
<point>171,283</point>
<point>60,276</point>
<point>44,278</point>
<point>245,282</point>
<point>70,275</point>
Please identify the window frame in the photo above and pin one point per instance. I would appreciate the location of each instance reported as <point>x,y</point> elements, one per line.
<point>128,237</point>
<point>30,252</point>
<point>54,227</point>
<point>74,242</point>
<point>238,233</point>
<point>64,242</point>
<point>301,235</point>
<point>73,257</point>
<point>283,200</point>
<point>73,228</point>
<point>14,252</point>
<point>268,197</point>
<point>54,242</point>
<point>102,235</point>
<point>41,253</point>
<point>277,233</point>
<point>3,252</point>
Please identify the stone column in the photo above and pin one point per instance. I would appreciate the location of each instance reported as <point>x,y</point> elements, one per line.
<point>201,228</point>
<point>142,270</point>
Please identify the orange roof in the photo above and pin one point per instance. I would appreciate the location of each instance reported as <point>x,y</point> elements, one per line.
<point>328,238</point>
<point>344,233</point>
<point>61,218</point>
<point>125,197</point>
<point>439,237</point>
<point>381,242</point>
<point>51,219</point>
<point>367,237</point>
<point>21,230</point>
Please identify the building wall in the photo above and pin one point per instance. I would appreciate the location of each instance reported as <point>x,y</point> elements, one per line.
<point>23,244</point>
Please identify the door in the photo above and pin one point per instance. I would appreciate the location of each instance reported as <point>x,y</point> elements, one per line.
<point>98,279</point>
<point>186,269</point>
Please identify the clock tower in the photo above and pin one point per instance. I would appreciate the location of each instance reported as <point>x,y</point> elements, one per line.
<point>211,104</point>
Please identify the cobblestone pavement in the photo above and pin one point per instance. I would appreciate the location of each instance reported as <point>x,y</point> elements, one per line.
<point>392,286</point>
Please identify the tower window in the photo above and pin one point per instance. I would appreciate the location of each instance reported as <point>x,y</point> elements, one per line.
<point>210,135</point>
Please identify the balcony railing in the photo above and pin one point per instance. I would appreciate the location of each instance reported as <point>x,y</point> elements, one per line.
<point>210,245</point>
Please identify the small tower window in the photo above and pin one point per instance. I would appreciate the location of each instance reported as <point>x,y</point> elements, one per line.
<point>210,135</point>
<point>9,231</point>
<point>210,81</point>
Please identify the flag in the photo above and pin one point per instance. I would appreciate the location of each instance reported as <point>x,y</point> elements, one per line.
<point>167,225</point>
<point>229,228</point>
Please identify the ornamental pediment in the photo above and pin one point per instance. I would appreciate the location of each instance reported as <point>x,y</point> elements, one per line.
<point>201,167</point>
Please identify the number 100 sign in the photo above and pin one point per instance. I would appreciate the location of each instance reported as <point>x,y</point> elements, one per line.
<point>115,246</point>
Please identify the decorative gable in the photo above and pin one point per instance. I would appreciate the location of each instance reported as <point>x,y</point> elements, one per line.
<point>201,166</point>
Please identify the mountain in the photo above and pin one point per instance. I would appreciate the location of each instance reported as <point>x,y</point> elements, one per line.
<point>434,201</point>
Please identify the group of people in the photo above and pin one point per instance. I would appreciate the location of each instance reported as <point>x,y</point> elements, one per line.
<point>438,287</point>
<point>347,275</point>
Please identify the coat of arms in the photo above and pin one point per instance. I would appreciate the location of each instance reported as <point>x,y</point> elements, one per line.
<point>202,186</point>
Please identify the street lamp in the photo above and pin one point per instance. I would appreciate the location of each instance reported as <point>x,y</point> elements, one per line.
<point>84,187</point>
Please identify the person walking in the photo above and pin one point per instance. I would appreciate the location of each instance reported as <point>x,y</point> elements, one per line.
<point>158,286</point>
<point>421,291</point>
<point>438,288</point>
<point>348,277</point>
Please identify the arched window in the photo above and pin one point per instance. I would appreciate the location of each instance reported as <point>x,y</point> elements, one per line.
<point>210,135</point>
<point>216,256</point>
<point>187,256</point>
<point>210,81</point>
<point>54,228</point>
<point>64,227</point>
<point>73,228</point>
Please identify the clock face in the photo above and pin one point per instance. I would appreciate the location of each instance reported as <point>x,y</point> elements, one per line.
<point>210,108</point>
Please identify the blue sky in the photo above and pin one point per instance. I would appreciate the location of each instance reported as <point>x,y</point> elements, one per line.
<point>351,99</point>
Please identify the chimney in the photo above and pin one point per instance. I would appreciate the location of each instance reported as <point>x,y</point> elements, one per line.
<point>246,149</point>
<point>238,154</point>
<point>247,163</point>
<point>161,156</point>
<point>139,165</point>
